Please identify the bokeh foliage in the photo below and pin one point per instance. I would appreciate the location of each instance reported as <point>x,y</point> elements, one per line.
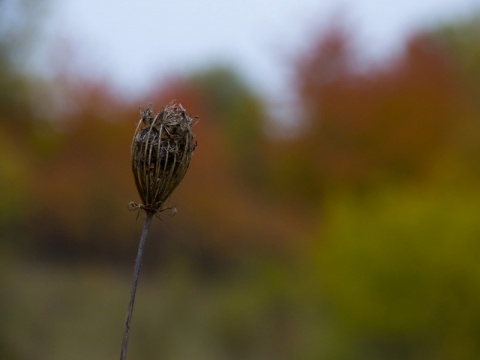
<point>355,239</point>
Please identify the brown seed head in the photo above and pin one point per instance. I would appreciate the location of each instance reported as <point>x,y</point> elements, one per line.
<point>161,150</point>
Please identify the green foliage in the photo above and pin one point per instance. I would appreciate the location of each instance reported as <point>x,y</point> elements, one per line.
<point>232,106</point>
<point>400,273</point>
<point>19,20</point>
<point>461,41</point>
<point>231,103</point>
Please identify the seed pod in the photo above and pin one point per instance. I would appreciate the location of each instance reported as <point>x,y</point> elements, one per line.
<point>161,150</point>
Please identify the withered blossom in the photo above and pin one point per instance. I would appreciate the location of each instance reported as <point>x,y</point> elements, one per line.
<point>161,151</point>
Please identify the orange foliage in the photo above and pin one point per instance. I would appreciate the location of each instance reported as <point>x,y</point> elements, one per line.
<point>82,181</point>
<point>244,190</point>
<point>387,123</point>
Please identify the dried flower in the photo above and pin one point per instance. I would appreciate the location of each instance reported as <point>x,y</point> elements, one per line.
<point>161,150</point>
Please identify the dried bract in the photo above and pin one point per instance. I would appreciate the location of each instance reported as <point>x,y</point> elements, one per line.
<point>161,151</point>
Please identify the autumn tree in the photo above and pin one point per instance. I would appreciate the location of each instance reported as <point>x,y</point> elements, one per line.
<point>392,122</point>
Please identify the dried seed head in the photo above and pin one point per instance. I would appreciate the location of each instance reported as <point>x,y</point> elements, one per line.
<point>161,150</point>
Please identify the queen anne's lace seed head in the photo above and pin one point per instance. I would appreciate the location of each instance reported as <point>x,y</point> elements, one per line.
<point>161,151</point>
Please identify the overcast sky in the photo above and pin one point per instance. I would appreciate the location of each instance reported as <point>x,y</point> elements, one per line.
<point>135,42</point>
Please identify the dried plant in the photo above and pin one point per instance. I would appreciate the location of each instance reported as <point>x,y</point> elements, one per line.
<point>162,147</point>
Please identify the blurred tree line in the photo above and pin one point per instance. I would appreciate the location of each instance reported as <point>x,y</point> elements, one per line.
<point>356,239</point>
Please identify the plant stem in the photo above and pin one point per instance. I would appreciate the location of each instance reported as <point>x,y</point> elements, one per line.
<point>133,290</point>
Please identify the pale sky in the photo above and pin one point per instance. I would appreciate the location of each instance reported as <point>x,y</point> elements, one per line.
<point>134,43</point>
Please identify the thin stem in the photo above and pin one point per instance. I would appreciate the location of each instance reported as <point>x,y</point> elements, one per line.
<point>133,290</point>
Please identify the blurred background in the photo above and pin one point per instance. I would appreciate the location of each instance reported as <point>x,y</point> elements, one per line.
<point>331,210</point>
